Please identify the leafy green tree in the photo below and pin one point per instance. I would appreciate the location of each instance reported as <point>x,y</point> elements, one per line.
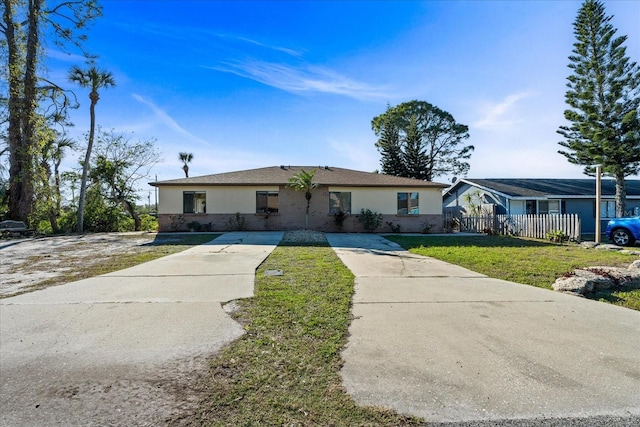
<point>185,158</point>
<point>603,95</point>
<point>429,136</point>
<point>102,214</point>
<point>94,79</point>
<point>119,164</point>
<point>23,24</point>
<point>303,181</point>
<point>72,179</point>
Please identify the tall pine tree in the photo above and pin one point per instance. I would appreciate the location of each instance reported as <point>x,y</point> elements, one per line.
<point>604,96</point>
<point>415,160</point>
<point>389,147</point>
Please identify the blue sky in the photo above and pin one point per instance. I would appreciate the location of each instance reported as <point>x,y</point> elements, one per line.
<point>246,84</point>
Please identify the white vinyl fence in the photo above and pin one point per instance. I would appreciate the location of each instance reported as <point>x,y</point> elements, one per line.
<point>535,226</point>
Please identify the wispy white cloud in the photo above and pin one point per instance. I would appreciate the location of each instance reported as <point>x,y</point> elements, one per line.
<point>274,47</point>
<point>167,120</point>
<point>303,79</point>
<point>498,115</point>
<point>200,37</point>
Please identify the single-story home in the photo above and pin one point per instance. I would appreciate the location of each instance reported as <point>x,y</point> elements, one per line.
<point>542,196</point>
<point>260,199</point>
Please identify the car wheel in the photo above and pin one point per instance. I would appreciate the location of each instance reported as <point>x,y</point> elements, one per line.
<point>622,237</point>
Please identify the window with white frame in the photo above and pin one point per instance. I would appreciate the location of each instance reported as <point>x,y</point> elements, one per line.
<point>194,202</point>
<point>339,201</point>
<point>551,207</point>
<point>266,202</point>
<point>408,203</point>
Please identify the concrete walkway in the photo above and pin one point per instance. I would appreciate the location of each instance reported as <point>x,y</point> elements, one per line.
<point>99,351</point>
<point>447,344</point>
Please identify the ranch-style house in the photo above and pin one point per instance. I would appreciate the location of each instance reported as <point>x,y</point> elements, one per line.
<point>260,199</point>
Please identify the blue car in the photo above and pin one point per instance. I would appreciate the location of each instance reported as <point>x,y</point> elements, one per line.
<point>623,231</point>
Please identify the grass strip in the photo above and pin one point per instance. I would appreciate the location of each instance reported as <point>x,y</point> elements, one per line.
<point>284,370</point>
<point>531,262</point>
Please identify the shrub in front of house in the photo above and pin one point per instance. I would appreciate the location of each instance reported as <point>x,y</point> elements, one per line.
<point>370,220</point>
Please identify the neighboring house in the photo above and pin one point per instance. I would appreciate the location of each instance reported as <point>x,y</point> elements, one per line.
<point>259,199</point>
<point>542,196</point>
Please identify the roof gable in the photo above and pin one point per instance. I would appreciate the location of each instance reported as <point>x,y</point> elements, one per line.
<point>279,175</point>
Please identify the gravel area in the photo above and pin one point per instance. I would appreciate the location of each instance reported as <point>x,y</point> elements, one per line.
<point>304,236</point>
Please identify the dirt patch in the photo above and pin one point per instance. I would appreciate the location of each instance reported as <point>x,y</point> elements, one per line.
<point>161,395</point>
<point>29,262</point>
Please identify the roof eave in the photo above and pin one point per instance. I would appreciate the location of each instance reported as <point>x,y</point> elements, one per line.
<point>482,187</point>
<point>254,184</point>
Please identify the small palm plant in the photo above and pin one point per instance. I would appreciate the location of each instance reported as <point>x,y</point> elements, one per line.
<point>186,158</point>
<point>303,181</point>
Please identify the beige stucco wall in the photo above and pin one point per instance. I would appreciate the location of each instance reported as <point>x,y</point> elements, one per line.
<point>220,200</point>
<point>385,200</point>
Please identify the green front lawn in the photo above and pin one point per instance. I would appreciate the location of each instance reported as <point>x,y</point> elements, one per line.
<point>526,261</point>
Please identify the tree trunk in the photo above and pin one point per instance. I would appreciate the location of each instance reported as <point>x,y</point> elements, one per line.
<point>85,167</point>
<point>21,104</point>
<point>306,213</point>
<point>306,217</point>
<point>47,192</point>
<point>14,137</point>
<point>132,211</point>
<point>53,220</point>
<point>29,107</point>
<point>56,177</point>
<point>621,196</point>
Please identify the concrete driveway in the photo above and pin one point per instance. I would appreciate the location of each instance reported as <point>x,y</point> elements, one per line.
<point>119,349</point>
<point>444,343</point>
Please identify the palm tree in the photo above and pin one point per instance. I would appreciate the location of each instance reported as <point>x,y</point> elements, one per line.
<point>95,79</point>
<point>53,154</point>
<point>303,181</point>
<point>186,158</point>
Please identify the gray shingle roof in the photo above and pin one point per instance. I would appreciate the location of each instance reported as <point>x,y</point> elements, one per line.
<point>279,175</point>
<point>555,187</point>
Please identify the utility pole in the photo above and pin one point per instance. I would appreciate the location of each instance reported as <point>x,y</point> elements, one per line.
<point>598,202</point>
